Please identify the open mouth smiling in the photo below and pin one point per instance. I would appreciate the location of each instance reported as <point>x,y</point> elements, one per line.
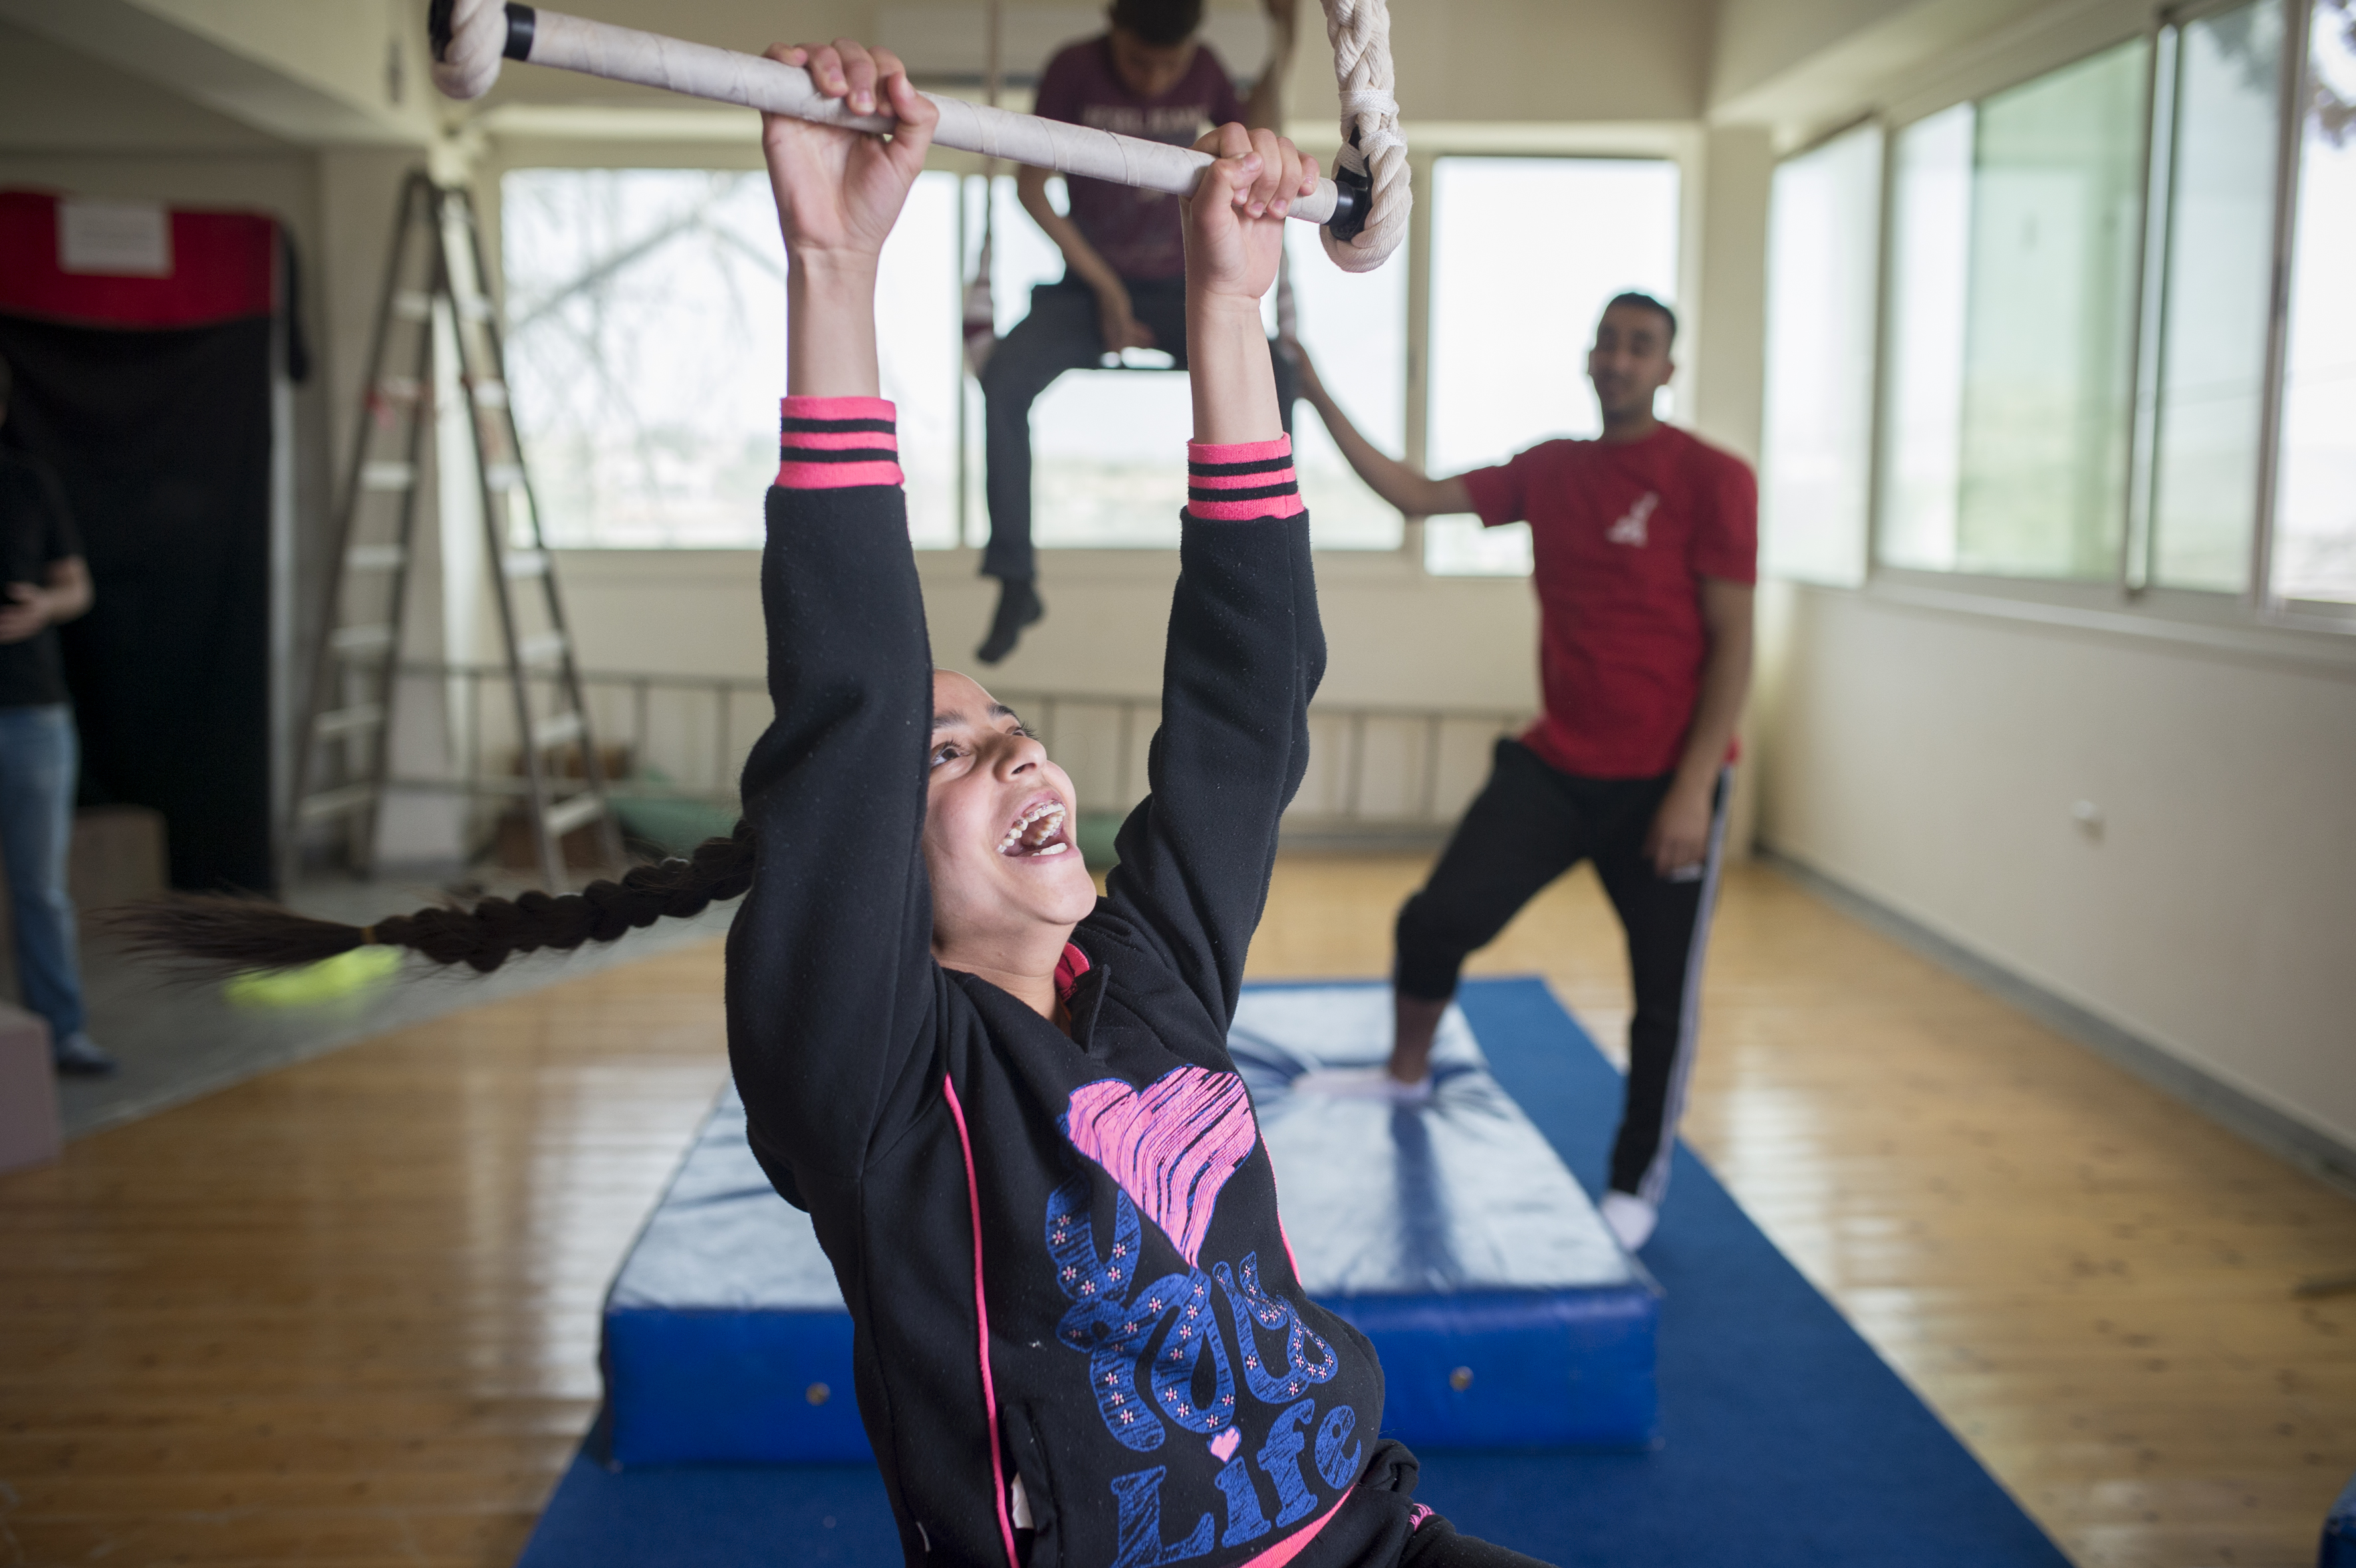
<point>1038,832</point>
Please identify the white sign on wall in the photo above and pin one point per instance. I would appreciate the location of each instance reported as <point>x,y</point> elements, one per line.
<point>122,239</point>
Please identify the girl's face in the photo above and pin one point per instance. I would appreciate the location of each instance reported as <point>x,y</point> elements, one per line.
<point>1000,842</point>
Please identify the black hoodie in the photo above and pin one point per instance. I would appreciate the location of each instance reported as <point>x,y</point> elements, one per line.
<point>1060,1255</point>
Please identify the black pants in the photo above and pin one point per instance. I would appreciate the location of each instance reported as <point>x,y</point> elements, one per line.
<point>1061,334</point>
<point>1529,826</point>
<point>1422,1539</point>
<point>1436,1544</point>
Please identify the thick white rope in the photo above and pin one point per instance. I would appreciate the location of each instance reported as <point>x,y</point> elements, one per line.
<point>1360,32</point>
<point>478,31</point>
<point>981,324</point>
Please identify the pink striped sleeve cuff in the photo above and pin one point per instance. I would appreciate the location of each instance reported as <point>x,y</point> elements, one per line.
<point>1250,479</point>
<point>837,442</point>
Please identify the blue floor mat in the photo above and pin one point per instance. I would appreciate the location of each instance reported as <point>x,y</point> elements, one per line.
<point>1786,1442</point>
<point>1449,1232</point>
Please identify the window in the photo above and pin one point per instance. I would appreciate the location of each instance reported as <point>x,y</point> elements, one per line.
<point>2013,443</point>
<point>2216,168</point>
<point>647,349</point>
<point>1823,259</point>
<point>1354,326</point>
<point>1524,252</point>
<point>1108,446</point>
<point>2034,426</point>
<point>2315,517</point>
<point>1930,225</point>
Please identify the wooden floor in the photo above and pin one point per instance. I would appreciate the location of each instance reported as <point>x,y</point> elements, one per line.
<point>345,1313</point>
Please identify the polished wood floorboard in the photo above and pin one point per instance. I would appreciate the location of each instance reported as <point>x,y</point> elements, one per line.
<point>345,1313</point>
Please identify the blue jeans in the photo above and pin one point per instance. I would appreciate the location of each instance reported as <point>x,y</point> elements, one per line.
<point>38,757</point>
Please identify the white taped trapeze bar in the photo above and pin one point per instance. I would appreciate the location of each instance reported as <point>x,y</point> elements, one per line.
<point>1362,208</point>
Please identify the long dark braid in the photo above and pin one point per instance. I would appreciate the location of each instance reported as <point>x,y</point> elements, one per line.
<point>234,935</point>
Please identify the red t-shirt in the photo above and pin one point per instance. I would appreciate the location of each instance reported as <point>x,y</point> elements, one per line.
<point>1135,230</point>
<point>1623,533</point>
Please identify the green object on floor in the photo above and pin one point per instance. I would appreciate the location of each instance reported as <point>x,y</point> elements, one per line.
<point>362,968</point>
<point>675,826</point>
<point>1095,835</point>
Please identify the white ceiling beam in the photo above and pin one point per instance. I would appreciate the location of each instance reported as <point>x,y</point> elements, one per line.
<point>309,72</point>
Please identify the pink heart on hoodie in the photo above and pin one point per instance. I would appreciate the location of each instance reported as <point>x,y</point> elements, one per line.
<point>1172,1145</point>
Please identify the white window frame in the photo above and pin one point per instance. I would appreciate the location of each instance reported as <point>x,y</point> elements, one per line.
<point>2129,602</point>
<point>530,137</point>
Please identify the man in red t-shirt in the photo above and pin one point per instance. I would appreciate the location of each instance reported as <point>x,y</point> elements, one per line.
<point>1645,542</point>
<point>1124,284</point>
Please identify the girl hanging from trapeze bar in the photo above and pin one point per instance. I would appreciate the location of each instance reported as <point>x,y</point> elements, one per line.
<point>1006,1103</point>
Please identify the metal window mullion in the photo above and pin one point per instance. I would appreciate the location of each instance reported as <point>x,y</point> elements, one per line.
<point>724,743</point>
<point>1415,439</point>
<point>1434,733</point>
<point>640,721</point>
<point>2147,348</point>
<point>2298,27</point>
<point>964,435</point>
<point>1878,423</point>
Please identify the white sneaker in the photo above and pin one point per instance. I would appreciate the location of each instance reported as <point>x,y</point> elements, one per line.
<point>1629,1218</point>
<point>1362,1083</point>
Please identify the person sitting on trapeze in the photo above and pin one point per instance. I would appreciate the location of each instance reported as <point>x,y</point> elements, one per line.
<point>1124,266</point>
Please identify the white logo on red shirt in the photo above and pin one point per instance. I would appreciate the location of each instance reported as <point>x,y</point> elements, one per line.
<point>1630,528</point>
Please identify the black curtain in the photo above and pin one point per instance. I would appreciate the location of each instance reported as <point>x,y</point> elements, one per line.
<point>162,440</point>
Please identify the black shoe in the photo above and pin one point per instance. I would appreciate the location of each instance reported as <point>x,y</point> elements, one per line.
<point>77,1058</point>
<point>1018,606</point>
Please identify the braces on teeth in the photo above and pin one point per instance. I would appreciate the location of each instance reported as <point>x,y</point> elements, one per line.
<point>1048,812</point>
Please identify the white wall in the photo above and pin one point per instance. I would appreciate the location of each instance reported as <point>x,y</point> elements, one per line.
<point>1395,638</point>
<point>1930,757</point>
<point>308,71</point>
<point>58,99</point>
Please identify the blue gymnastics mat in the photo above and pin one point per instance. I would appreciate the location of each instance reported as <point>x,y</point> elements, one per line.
<point>2339,1550</point>
<point>1785,1441</point>
<point>1449,1233</point>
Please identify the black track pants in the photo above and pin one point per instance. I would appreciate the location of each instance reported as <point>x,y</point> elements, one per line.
<point>1529,824</point>
<point>1436,1544</point>
<point>1061,334</point>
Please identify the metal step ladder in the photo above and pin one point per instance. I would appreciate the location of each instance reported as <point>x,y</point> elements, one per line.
<point>343,764</point>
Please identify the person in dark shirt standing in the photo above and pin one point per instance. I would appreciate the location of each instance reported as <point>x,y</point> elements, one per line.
<point>1124,284</point>
<point>42,583</point>
<point>1645,544</point>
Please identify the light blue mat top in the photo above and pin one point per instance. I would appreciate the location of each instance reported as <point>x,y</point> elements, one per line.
<point>1460,1194</point>
<point>722,1240</point>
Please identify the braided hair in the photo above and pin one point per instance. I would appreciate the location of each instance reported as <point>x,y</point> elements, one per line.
<point>222,935</point>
